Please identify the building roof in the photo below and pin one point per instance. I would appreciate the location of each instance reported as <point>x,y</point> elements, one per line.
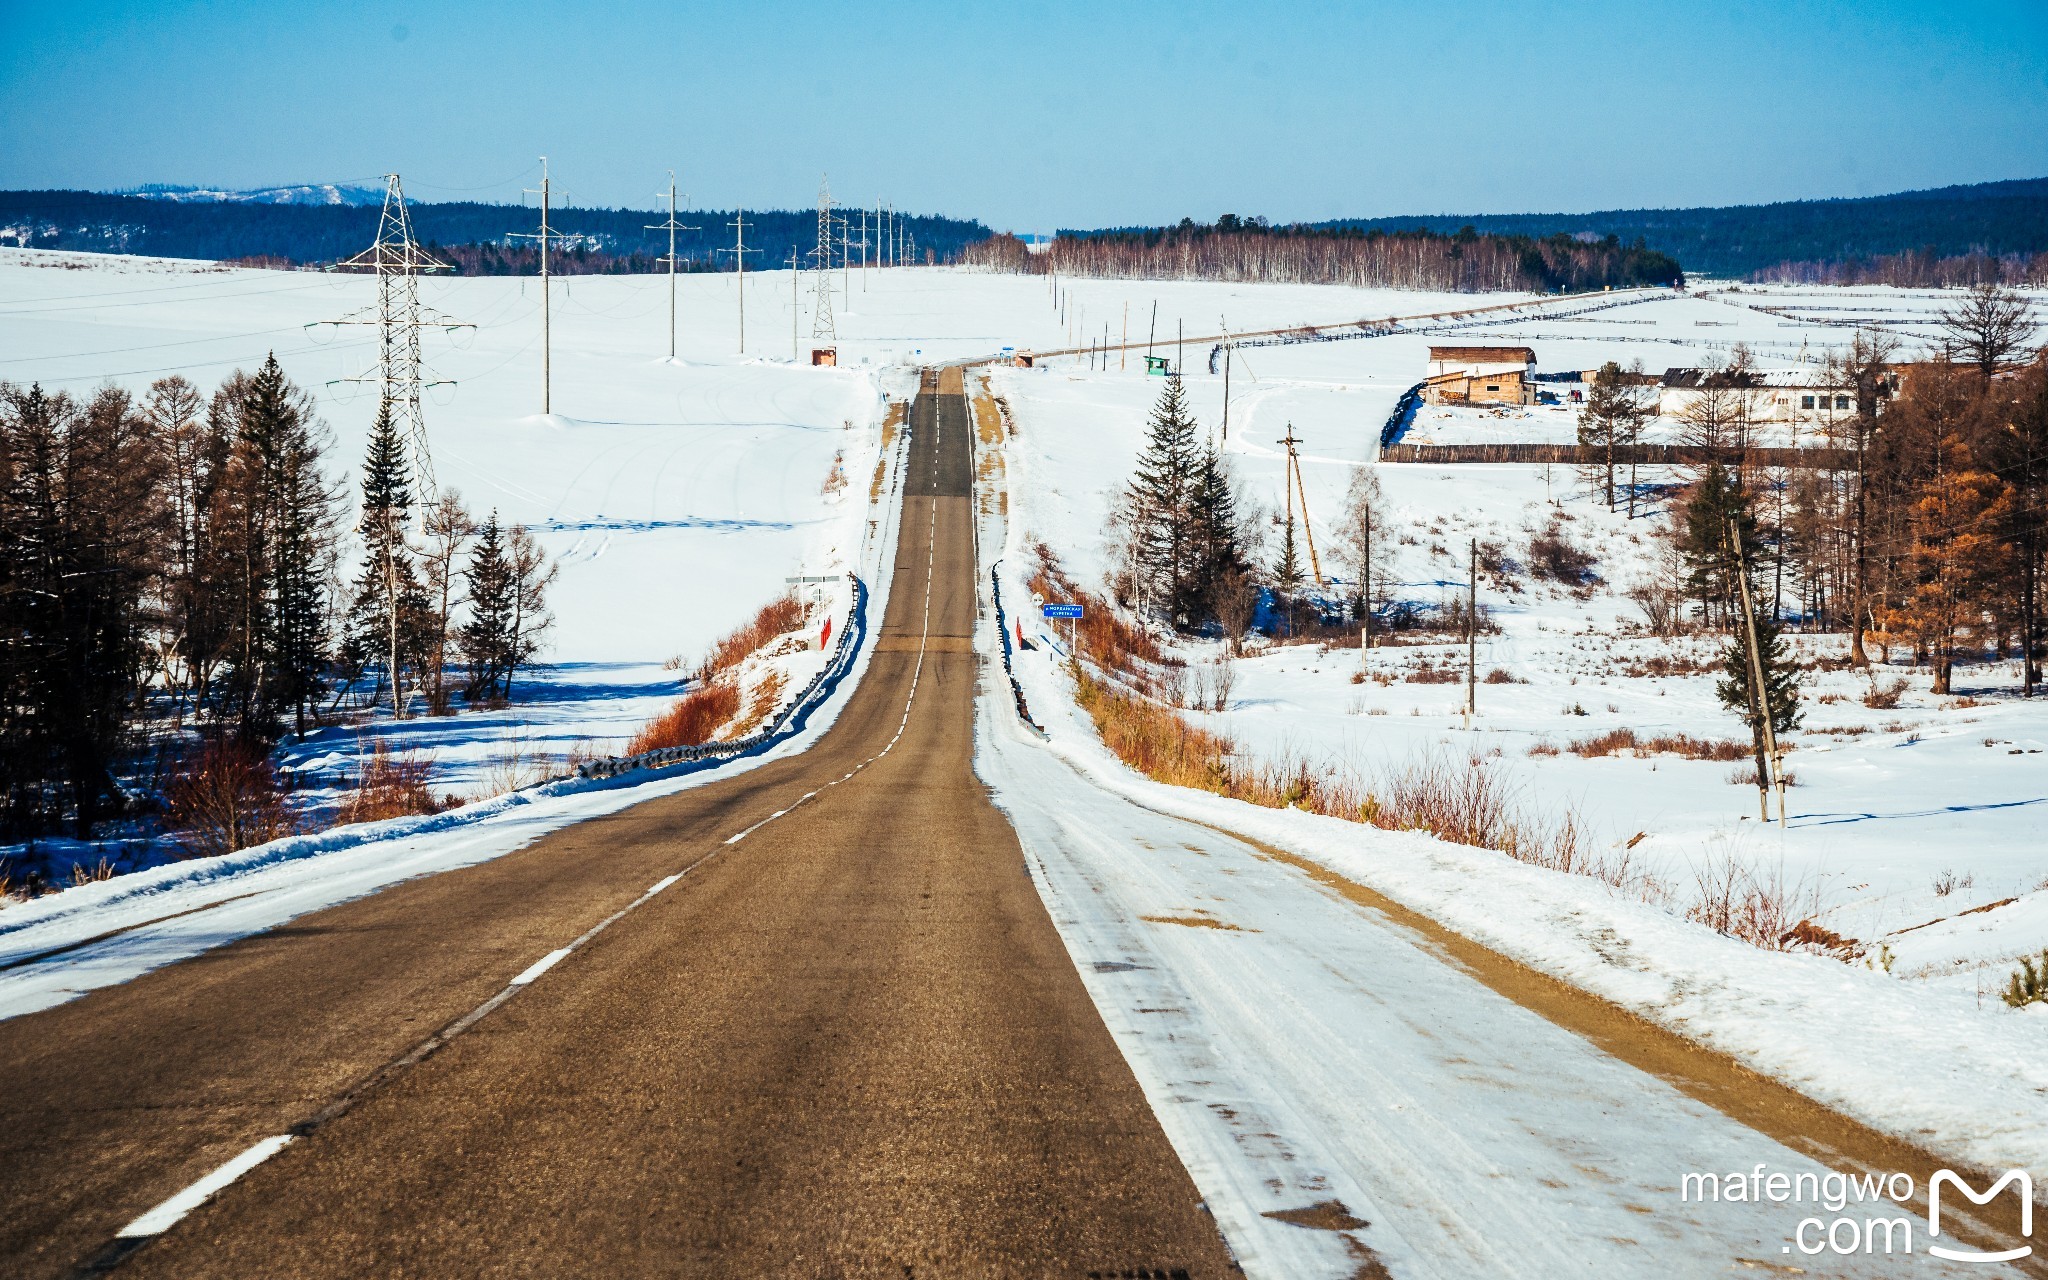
<point>1485,355</point>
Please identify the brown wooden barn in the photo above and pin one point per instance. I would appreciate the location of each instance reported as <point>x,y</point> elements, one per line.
<point>1481,375</point>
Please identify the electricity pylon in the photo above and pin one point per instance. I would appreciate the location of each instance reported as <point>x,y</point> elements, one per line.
<point>821,283</point>
<point>543,236</point>
<point>398,261</point>
<point>671,226</point>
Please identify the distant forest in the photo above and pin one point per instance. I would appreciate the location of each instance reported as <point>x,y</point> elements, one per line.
<point>1465,260</point>
<point>1989,232</point>
<point>475,238</point>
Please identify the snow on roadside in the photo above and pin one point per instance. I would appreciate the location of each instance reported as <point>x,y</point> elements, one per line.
<point>1924,1063</point>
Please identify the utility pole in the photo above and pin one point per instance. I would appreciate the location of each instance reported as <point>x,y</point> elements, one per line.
<point>1123,349</point>
<point>671,226</point>
<point>546,288</point>
<point>1180,347</point>
<point>739,253</point>
<point>1151,333</point>
<point>795,308</point>
<point>821,283</point>
<point>1760,694</point>
<point>1227,349</point>
<point>1472,638</point>
<point>1294,480</point>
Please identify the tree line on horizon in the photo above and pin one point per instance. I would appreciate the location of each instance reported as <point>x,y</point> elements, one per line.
<point>1239,249</point>
<point>473,237</point>
<point>174,587</point>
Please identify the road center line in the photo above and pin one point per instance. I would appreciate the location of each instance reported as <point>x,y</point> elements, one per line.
<point>166,1215</point>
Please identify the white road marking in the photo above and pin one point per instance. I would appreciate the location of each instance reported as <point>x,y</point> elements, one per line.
<point>542,965</point>
<point>663,883</point>
<point>170,1212</point>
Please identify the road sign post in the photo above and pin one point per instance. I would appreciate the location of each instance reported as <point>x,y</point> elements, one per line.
<point>1070,612</point>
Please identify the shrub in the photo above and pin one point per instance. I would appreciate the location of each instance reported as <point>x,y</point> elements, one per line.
<point>1554,556</point>
<point>1501,676</point>
<point>1884,697</point>
<point>1614,741</point>
<point>392,785</point>
<point>1761,908</point>
<point>224,795</point>
<point>2029,983</point>
<point>692,719</point>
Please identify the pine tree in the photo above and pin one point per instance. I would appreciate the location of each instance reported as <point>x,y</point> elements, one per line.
<point>279,514</point>
<point>1158,508</point>
<point>490,636</point>
<point>1781,678</point>
<point>389,610</point>
<point>1609,420</point>
<point>1703,541</point>
<point>1218,542</point>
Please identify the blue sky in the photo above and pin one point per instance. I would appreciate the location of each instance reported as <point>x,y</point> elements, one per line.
<point>1034,117</point>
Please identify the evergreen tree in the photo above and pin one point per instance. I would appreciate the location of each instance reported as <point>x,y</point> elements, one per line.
<point>1287,573</point>
<point>1218,542</point>
<point>490,636</point>
<point>1703,541</point>
<point>1159,509</point>
<point>1781,680</point>
<point>1609,420</point>
<point>389,611</point>
<point>279,514</point>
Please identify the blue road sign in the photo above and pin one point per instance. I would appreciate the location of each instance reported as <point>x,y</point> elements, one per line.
<point>1062,610</point>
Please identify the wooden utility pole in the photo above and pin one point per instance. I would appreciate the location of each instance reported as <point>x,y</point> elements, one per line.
<point>1472,637</point>
<point>1295,486</point>
<point>1151,333</point>
<point>1772,769</point>
<point>1123,351</point>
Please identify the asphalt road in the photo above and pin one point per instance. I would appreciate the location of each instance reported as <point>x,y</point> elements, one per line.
<point>850,1043</point>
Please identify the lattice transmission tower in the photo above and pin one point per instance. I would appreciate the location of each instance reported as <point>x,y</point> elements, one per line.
<point>399,262</point>
<point>821,264</point>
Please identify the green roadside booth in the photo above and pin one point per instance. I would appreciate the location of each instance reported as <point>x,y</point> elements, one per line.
<point>1158,365</point>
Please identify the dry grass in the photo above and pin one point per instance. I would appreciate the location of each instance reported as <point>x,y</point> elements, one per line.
<point>392,784</point>
<point>767,696</point>
<point>835,479</point>
<point>1427,674</point>
<point>1198,922</point>
<point>515,764</point>
<point>691,720</point>
<point>1615,741</point>
<point>777,617</point>
<point>1660,665</point>
<point>1884,697</point>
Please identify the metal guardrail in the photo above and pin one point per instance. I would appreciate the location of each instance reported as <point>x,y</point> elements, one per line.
<point>1003,630</point>
<point>787,722</point>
